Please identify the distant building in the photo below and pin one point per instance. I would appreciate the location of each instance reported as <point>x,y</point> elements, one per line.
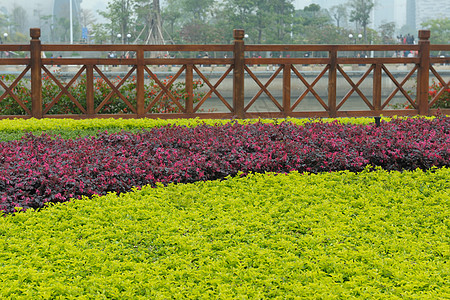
<point>431,9</point>
<point>411,14</point>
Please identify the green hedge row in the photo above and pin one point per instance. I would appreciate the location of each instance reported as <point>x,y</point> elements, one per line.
<point>13,129</point>
<point>372,235</point>
<point>13,125</point>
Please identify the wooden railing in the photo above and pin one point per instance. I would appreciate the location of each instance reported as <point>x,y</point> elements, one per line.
<point>240,67</point>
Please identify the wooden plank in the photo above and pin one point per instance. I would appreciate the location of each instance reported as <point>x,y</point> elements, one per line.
<point>423,73</point>
<point>332,83</point>
<point>140,84</point>
<point>36,76</point>
<point>326,48</point>
<point>287,89</point>
<point>377,88</point>
<point>132,61</point>
<point>379,60</point>
<point>440,60</point>
<point>14,61</point>
<point>442,47</point>
<point>238,74</point>
<point>90,106</point>
<point>132,48</point>
<point>285,60</point>
<point>14,47</point>
<point>189,84</point>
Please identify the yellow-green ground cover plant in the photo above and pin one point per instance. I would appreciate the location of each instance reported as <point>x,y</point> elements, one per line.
<point>342,235</point>
<point>40,169</point>
<point>11,129</point>
<point>375,234</point>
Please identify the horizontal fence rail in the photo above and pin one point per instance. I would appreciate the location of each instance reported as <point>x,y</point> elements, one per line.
<point>138,99</point>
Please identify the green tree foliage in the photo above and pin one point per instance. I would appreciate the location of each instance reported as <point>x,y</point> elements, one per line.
<point>19,19</point>
<point>440,30</point>
<point>213,21</point>
<point>121,17</point>
<point>360,13</point>
<point>339,14</point>
<point>386,32</point>
<point>313,25</point>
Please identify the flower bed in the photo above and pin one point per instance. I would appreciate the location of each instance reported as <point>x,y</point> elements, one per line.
<point>340,235</point>
<point>102,90</point>
<point>37,170</point>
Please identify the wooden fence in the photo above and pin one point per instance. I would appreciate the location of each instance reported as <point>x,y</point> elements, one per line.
<point>239,67</point>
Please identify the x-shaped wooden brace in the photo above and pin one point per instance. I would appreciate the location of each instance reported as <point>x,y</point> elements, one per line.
<point>355,87</point>
<point>64,90</point>
<point>213,89</point>
<point>399,86</point>
<point>115,89</point>
<point>263,88</point>
<point>309,87</point>
<point>442,90</point>
<point>9,90</point>
<point>165,88</point>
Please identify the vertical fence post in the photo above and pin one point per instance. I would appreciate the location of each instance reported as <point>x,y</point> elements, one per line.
<point>332,82</point>
<point>36,76</point>
<point>377,87</point>
<point>238,74</point>
<point>90,109</point>
<point>189,89</point>
<point>140,84</point>
<point>287,89</point>
<point>423,75</point>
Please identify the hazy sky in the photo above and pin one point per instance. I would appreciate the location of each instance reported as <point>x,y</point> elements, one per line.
<point>94,5</point>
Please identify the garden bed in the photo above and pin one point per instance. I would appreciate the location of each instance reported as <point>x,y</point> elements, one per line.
<point>371,235</point>
<point>40,169</point>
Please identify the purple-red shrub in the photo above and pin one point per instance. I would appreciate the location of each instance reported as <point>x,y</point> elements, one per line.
<point>36,170</point>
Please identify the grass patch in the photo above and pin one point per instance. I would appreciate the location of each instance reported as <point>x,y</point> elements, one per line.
<point>378,234</point>
<point>69,128</point>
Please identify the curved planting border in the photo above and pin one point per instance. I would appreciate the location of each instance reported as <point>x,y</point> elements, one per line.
<point>37,170</point>
<point>340,235</point>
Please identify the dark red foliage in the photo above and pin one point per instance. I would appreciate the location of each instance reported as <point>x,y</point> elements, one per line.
<point>36,170</point>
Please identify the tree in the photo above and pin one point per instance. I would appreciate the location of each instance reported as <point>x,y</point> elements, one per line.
<point>339,13</point>
<point>3,21</point>
<point>19,19</point>
<point>311,25</point>
<point>170,16</point>
<point>440,30</point>
<point>199,10</point>
<point>120,15</point>
<point>100,33</point>
<point>387,31</point>
<point>263,20</point>
<point>360,13</point>
<point>87,18</point>
<point>284,17</point>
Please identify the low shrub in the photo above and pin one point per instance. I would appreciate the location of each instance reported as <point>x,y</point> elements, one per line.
<point>371,235</point>
<point>26,125</point>
<point>102,90</point>
<point>443,101</point>
<point>37,170</point>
